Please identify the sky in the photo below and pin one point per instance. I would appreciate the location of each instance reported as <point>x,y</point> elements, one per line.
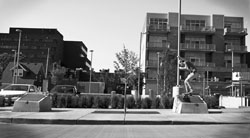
<point>106,25</point>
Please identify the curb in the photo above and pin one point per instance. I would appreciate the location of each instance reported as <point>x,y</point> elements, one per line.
<point>109,122</point>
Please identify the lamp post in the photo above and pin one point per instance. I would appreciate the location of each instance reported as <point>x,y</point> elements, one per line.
<point>14,67</point>
<point>158,72</point>
<point>90,70</point>
<point>176,89</point>
<point>18,51</point>
<point>232,67</point>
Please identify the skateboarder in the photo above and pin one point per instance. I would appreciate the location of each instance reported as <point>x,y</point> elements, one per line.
<point>188,66</point>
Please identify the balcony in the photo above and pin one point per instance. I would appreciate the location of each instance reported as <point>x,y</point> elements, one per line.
<point>156,28</point>
<point>152,63</point>
<point>198,29</point>
<point>204,64</point>
<point>157,46</point>
<point>197,47</point>
<point>235,31</point>
<point>236,48</point>
<point>229,65</point>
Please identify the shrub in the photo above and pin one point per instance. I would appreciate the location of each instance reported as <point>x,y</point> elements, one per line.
<point>130,102</point>
<point>62,102</point>
<point>82,103</point>
<point>115,101</point>
<point>105,102</point>
<point>121,102</point>
<point>90,101</point>
<point>74,101</point>
<point>54,100</point>
<point>146,103</point>
<point>2,101</point>
<point>157,102</point>
<point>97,102</point>
<point>212,102</point>
<point>167,102</point>
<point>68,101</point>
<point>139,103</point>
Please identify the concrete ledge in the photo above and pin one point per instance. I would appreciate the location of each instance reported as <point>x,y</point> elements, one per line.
<point>32,103</point>
<point>192,105</point>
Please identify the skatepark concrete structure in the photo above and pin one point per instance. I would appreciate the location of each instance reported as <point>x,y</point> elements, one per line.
<point>189,104</point>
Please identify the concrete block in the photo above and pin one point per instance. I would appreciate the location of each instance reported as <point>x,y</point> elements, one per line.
<point>193,105</point>
<point>32,103</point>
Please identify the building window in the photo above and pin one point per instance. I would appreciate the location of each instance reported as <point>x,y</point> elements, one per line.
<point>195,23</point>
<point>18,73</point>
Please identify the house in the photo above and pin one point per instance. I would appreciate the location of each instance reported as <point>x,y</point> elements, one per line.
<point>29,73</point>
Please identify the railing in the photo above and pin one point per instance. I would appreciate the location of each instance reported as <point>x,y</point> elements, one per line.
<point>199,47</point>
<point>152,63</point>
<point>204,64</point>
<point>236,65</point>
<point>236,30</point>
<point>159,28</point>
<point>158,45</point>
<point>236,48</point>
<point>209,29</point>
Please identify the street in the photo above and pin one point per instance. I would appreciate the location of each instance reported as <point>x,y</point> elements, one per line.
<point>124,131</point>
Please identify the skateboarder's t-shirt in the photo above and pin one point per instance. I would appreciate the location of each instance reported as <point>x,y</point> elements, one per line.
<point>191,67</point>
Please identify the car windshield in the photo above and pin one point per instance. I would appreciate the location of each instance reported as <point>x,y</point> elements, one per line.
<point>17,88</point>
<point>63,89</point>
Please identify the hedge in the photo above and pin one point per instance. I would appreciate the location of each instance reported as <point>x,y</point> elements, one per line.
<point>114,102</point>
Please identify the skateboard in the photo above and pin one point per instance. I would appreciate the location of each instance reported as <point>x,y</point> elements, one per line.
<point>186,97</point>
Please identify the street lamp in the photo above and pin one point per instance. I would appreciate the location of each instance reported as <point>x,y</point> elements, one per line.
<point>139,71</point>
<point>158,71</point>
<point>232,66</point>
<point>18,51</point>
<point>90,70</point>
<point>14,66</point>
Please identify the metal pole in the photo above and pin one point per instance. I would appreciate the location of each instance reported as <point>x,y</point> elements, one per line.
<point>13,79</point>
<point>179,40</point>
<point>139,71</point>
<point>232,69</point>
<point>158,73</point>
<point>18,51</point>
<point>47,63</point>
<point>90,70</point>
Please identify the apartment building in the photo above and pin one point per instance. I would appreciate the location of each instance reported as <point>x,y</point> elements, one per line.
<point>213,43</point>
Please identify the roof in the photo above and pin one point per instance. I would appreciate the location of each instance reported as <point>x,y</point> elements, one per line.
<point>33,67</point>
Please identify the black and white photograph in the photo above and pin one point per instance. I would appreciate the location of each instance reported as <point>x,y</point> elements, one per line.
<point>124,69</point>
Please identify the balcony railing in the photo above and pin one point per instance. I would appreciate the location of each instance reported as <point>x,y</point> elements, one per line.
<point>204,64</point>
<point>236,65</point>
<point>236,48</point>
<point>242,31</point>
<point>152,63</point>
<point>202,29</point>
<point>158,28</point>
<point>198,47</point>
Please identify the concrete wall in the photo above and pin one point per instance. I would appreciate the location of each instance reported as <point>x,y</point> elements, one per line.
<point>232,102</point>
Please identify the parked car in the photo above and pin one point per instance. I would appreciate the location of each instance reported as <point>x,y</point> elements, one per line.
<point>64,90</point>
<point>15,91</point>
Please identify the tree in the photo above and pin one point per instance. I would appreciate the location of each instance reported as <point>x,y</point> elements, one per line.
<point>4,61</point>
<point>168,71</point>
<point>127,62</point>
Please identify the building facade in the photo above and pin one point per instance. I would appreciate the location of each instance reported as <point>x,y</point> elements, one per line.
<point>75,55</point>
<point>39,44</point>
<point>213,43</point>
<point>34,44</point>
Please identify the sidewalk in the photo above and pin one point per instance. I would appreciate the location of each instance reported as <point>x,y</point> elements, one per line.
<point>85,116</point>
